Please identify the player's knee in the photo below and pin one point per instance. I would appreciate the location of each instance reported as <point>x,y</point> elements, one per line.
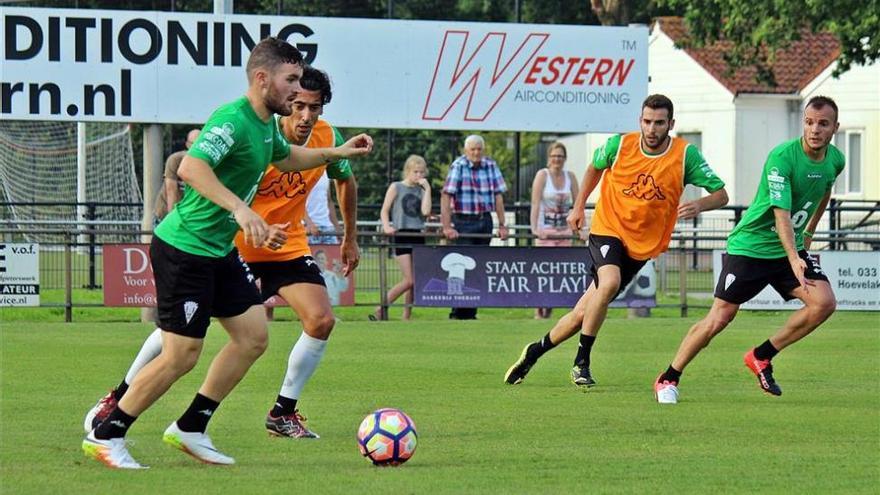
<point>320,325</point>
<point>256,343</point>
<point>406,284</point>
<point>824,308</point>
<point>181,361</point>
<point>608,291</point>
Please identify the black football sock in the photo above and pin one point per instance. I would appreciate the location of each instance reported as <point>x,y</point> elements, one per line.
<point>539,348</point>
<point>120,390</point>
<point>283,407</point>
<point>765,351</point>
<point>585,345</point>
<point>196,418</point>
<point>671,375</point>
<point>115,426</point>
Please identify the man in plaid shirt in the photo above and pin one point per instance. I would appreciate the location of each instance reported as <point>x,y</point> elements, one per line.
<point>474,187</point>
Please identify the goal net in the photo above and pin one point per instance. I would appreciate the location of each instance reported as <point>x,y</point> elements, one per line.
<point>38,179</point>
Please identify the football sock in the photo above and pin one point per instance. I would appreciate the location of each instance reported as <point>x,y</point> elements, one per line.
<point>115,426</point>
<point>120,390</point>
<point>151,348</point>
<point>671,375</point>
<point>765,351</point>
<point>301,364</point>
<point>585,345</point>
<point>283,407</point>
<point>196,418</point>
<point>537,349</point>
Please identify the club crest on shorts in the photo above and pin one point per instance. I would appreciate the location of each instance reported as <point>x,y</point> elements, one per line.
<point>604,250</point>
<point>728,280</point>
<point>189,310</point>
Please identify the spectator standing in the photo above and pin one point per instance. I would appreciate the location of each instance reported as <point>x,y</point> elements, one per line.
<point>321,221</point>
<point>172,187</point>
<point>407,204</point>
<point>553,192</point>
<point>473,188</point>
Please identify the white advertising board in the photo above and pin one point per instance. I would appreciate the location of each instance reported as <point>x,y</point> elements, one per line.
<point>171,67</point>
<point>19,274</point>
<point>854,277</point>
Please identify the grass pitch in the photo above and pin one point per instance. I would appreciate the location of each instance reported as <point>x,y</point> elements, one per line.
<point>476,435</point>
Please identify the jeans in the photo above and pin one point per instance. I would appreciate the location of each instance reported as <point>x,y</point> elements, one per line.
<point>470,224</point>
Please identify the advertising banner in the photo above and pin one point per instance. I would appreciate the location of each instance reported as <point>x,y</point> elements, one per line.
<point>854,277</point>
<point>19,274</point>
<point>172,67</point>
<point>478,276</point>
<point>128,276</point>
<point>339,288</point>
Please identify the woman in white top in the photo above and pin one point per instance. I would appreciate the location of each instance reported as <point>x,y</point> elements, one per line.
<point>553,192</point>
<point>407,204</point>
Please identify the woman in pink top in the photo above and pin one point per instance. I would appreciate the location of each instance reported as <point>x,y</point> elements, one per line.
<point>553,191</point>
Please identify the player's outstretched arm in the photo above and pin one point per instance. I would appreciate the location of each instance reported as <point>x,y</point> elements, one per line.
<point>713,201</point>
<point>785,231</point>
<point>302,158</point>
<point>588,184</point>
<point>810,229</point>
<point>201,177</point>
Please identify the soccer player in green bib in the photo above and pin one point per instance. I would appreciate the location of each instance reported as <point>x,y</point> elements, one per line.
<point>769,247</point>
<point>198,271</point>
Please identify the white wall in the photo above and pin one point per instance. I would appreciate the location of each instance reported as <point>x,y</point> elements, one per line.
<point>857,93</point>
<point>762,123</point>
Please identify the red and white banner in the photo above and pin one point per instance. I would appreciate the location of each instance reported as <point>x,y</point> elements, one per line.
<point>162,67</point>
<point>128,276</point>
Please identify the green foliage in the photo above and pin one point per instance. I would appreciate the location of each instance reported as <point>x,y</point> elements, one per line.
<point>476,435</point>
<point>758,29</point>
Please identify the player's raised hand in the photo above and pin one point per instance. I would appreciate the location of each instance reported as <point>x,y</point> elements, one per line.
<point>360,145</point>
<point>255,229</point>
<point>277,236</point>
<point>576,219</point>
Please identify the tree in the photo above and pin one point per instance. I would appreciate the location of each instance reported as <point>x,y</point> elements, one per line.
<point>758,29</point>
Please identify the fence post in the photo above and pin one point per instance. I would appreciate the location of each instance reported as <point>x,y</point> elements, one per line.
<point>682,279</point>
<point>383,278</point>
<point>68,278</point>
<point>92,215</point>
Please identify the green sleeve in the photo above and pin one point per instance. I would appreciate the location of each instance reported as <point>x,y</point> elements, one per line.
<point>698,172</point>
<point>777,175</point>
<point>605,155</point>
<point>340,170</point>
<point>280,146</point>
<point>222,133</point>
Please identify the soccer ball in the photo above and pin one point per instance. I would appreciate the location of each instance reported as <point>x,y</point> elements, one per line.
<point>387,437</point>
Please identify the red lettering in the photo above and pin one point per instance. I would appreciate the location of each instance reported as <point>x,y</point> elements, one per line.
<point>531,77</point>
<point>552,67</point>
<point>604,67</point>
<point>572,61</point>
<point>583,71</point>
<point>620,72</point>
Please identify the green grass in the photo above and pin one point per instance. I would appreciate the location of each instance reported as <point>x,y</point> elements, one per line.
<point>476,435</point>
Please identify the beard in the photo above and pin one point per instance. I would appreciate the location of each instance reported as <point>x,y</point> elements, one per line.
<point>276,104</point>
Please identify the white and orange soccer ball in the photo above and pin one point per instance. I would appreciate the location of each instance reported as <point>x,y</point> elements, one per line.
<point>387,437</point>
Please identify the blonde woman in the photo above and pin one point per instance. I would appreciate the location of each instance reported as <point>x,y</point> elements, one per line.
<point>407,204</point>
<point>553,192</point>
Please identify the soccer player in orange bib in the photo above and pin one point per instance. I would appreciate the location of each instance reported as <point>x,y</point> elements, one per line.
<point>643,175</point>
<point>286,268</point>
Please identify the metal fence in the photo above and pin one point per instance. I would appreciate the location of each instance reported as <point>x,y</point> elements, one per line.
<point>71,271</point>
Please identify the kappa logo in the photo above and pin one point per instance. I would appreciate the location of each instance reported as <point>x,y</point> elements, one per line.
<point>311,262</point>
<point>287,185</point>
<point>477,76</point>
<point>728,280</point>
<point>207,412</point>
<point>189,310</point>
<point>645,188</point>
<point>604,250</point>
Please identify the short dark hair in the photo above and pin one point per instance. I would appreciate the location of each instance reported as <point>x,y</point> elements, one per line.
<point>270,53</point>
<point>819,102</point>
<point>317,80</point>
<point>658,101</point>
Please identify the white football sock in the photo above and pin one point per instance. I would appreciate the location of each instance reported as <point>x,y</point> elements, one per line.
<point>303,360</point>
<point>151,348</point>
